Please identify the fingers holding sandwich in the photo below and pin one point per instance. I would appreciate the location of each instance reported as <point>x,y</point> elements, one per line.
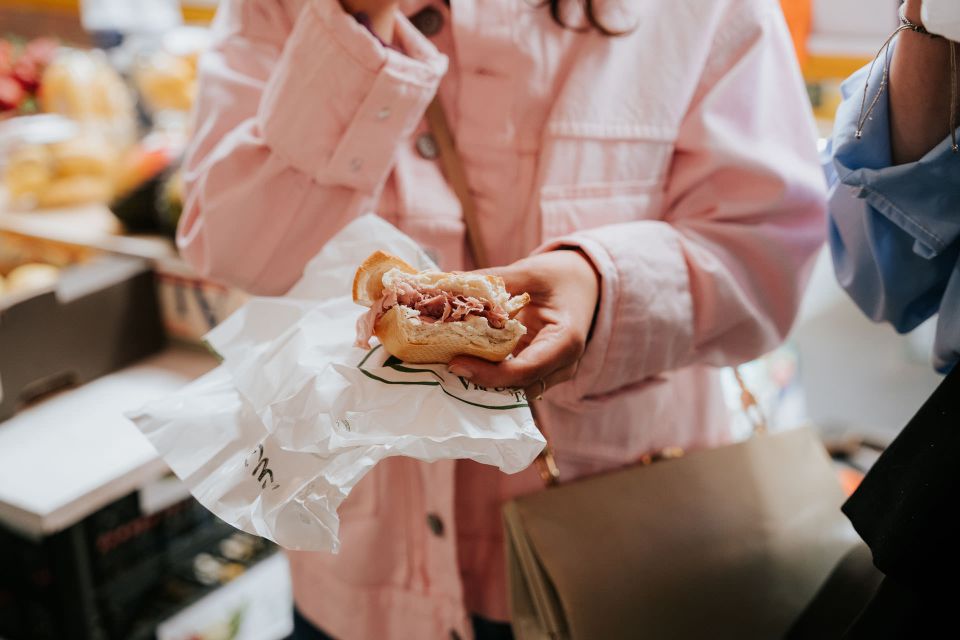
<point>428,317</point>
<point>564,289</point>
<point>539,310</point>
<point>554,351</point>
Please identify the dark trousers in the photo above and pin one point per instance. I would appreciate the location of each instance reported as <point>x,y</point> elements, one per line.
<point>482,630</point>
<point>858,602</point>
<point>903,583</point>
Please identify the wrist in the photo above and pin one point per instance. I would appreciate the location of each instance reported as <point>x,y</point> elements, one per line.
<point>585,261</point>
<point>587,266</point>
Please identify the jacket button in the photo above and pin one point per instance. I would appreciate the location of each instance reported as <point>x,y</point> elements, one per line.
<point>429,21</point>
<point>427,146</point>
<point>435,524</point>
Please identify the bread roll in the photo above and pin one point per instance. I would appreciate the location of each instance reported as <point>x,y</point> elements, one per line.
<point>405,335</point>
<point>33,275</point>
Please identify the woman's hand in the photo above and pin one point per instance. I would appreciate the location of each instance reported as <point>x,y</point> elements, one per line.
<point>380,12</point>
<point>564,288</point>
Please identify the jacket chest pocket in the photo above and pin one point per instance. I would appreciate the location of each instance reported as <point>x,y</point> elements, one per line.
<point>590,183</point>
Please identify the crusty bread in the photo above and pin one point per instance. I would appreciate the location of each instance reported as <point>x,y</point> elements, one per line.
<point>411,340</point>
<point>368,281</point>
<point>405,336</point>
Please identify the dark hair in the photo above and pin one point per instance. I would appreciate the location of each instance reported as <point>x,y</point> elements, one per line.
<point>589,12</point>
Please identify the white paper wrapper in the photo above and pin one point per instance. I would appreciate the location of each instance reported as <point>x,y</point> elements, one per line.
<point>274,439</point>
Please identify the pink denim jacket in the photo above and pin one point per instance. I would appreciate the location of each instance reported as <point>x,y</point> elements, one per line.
<point>679,157</point>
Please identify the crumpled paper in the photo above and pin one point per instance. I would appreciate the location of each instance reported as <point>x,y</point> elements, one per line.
<point>273,440</point>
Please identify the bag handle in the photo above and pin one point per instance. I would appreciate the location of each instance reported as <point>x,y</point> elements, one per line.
<point>452,165</point>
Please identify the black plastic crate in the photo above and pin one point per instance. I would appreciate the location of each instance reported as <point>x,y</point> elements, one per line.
<point>119,536</point>
<point>9,614</point>
<point>123,600</point>
<point>102,578</point>
<point>183,517</point>
<point>40,620</point>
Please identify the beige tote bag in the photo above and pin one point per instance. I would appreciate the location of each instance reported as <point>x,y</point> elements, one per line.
<point>723,543</point>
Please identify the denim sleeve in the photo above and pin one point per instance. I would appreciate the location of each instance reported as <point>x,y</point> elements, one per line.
<point>893,229</point>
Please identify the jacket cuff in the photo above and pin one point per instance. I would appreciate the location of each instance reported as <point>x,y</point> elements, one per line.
<point>338,101</point>
<point>644,325</point>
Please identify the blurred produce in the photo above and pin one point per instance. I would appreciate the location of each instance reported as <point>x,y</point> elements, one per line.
<point>87,154</point>
<point>73,190</point>
<point>29,170</point>
<point>165,74</point>
<point>148,192</point>
<point>167,82</point>
<point>30,276</point>
<point>77,170</point>
<point>12,94</point>
<point>171,203</point>
<point>82,85</point>
<point>22,66</point>
<point>51,162</point>
<point>17,249</point>
<point>96,156</point>
<point>142,161</point>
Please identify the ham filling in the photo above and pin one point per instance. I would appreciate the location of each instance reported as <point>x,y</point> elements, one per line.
<point>433,305</point>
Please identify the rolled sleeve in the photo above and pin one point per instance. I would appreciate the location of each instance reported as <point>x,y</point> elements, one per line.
<point>894,229</point>
<point>381,95</point>
<point>641,328</point>
<point>921,197</point>
<point>718,279</point>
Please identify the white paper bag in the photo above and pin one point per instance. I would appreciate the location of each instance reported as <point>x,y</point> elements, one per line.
<point>274,439</point>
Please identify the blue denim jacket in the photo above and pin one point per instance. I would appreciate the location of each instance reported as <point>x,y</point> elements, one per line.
<point>895,230</point>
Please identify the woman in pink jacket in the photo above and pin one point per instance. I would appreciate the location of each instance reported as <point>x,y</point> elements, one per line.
<point>676,159</point>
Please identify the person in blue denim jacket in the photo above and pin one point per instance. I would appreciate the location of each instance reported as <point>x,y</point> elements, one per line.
<point>895,196</point>
<point>894,217</point>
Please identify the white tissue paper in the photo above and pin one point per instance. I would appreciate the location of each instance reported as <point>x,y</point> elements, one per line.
<point>274,439</point>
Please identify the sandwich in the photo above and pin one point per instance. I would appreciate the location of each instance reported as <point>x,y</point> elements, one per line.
<point>431,316</point>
